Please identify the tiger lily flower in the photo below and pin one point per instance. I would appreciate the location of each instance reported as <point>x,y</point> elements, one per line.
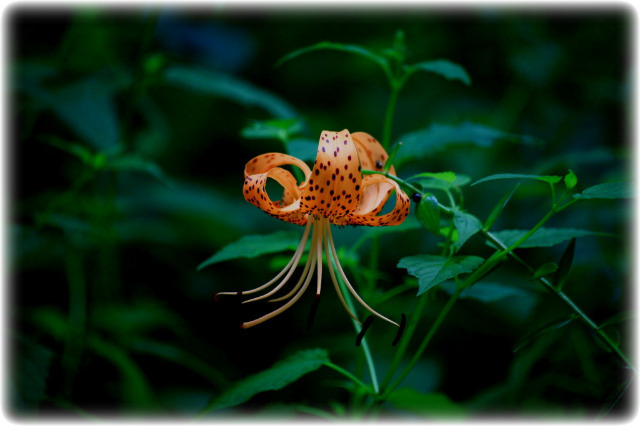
<point>334,192</point>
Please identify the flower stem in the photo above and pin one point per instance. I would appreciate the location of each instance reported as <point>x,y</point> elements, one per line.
<point>350,376</point>
<point>388,116</point>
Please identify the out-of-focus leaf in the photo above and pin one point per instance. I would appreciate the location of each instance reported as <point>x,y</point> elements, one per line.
<point>618,318</point>
<point>606,190</point>
<point>437,137</point>
<point>278,376</point>
<point>498,208</point>
<point>428,213</point>
<point>348,48</point>
<point>281,129</point>
<point>134,163</point>
<point>564,265</point>
<point>28,374</point>
<point>136,319</point>
<point>228,87</point>
<point>570,180</point>
<point>255,245</point>
<point>467,225</point>
<point>546,269</point>
<point>549,179</point>
<point>544,237</point>
<point>443,181</point>
<point>432,270</point>
<point>434,404</point>
<point>492,292</point>
<point>86,155</point>
<point>304,149</point>
<point>444,68</point>
<point>544,330</point>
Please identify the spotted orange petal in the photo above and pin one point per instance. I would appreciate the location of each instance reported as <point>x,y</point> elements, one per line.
<point>370,218</point>
<point>265,166</point>
<point>334,187</point>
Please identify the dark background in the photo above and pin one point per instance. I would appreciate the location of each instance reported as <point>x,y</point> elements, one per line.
<point>107,312</point>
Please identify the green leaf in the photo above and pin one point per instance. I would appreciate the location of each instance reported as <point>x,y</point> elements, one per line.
<point>549,179</point>
<point>544,237</point>
<point>607,190</point>
<point>623,316</point>
<point>432,270</point>
<point>546,269</point>
<point>348,48</point>
<point>428,213</point>
<point>278,376</point>
<point>495,213</point>
<point>467,225</point>
<point>544,330</point>
<point>425,404</point>
<point>436,137</point>
<point>564,266</point>
<point>570,180</point>
<point>228,87</point>
<point>281,129</point>
<point>28,374</point>
<point>255,245</point>
<point>86,155</point>
<point>134,163</point>
<point>444,68</point>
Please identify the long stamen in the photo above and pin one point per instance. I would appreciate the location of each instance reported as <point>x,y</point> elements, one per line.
<point>296,260</point>
<point>311,257</point>
<point>333,277</point>
<point>320,225</point>
<point>291,266</point>
<point>348,284</point>
<point>286,305</point>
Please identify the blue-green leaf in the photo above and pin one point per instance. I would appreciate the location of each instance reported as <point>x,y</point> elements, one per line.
<point>423,143</point>
<point>432,270</point>
<point>607,190</point>
<point>425,404</point>
<point>546,269</point>
<point>304,149</point>
<point>255,245</point>
<point>549,179</point>
<point>278,376</point>
<point>348,48</point>
<point>444,68</point>
<point>498,208</point>
<point>544,237</point>
<point>281,129</point>
<point>428,213</point>
<point>134,163</point>
<point>227,87</point>
<point>564,265</point>
<point>467,226</point>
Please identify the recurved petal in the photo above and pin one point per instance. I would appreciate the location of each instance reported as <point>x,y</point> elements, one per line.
<point>287,209</point>
<point>370,218</point>
<point>265,162</point>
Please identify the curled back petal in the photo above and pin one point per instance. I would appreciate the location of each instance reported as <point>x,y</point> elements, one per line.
<point>372,157</point>
<point>333,189</point>
<point>287,209</point>
<point>395,217</point>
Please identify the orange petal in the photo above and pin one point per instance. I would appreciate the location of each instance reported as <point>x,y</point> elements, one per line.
<point>395,217</point>
<point>266,166</point>
<point>333,189</point>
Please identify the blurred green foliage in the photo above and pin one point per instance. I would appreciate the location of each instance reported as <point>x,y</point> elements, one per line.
<point>129,132</point>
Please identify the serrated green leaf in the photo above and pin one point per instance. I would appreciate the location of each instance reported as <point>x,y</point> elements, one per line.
<point>607,190</point>
<point>278,376</point>
<point>348,48</point>
<point>549,179</point>
<point>544,237</point>
<point>467,226</point>
<point>255,245</point>
<point>495,213</point>
<point>546,269</point>
<point>432,270</point>
<point>228,87</point>
<point>428,213</point>
<point>444,68</point>
<point>564,265</point>
<point>425,404</point>
<point>281,129</point>
<point>436,137</point>
<point>570,180</point>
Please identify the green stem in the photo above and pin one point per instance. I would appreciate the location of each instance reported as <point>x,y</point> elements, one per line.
<point>373,262</point>
<point>425,341</point>
<point>565,299</point>
<point>388,116</point>
<point>350,376</point>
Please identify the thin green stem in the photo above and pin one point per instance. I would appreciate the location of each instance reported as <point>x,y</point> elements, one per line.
<point>388,116</point>
<point>425,342</point>
<point>350,377</point>
<point>374,255</point>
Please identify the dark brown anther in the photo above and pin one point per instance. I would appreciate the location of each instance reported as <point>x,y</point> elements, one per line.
<point>416,197</point>
<point>314,308</point>
<point>365,327</point>
<point>403,322</point>
<point>379,164</point>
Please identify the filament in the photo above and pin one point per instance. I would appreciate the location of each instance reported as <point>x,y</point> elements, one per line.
<point>348,284</point>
